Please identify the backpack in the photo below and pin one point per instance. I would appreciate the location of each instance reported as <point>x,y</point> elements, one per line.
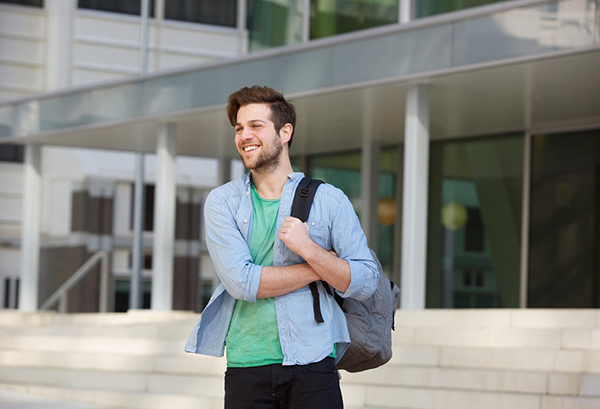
<point>370,322</point>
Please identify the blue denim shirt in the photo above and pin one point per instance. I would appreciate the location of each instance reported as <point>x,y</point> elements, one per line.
<point>333,224</point>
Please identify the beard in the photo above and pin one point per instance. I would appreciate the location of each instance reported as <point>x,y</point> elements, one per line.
<point>268,159</point>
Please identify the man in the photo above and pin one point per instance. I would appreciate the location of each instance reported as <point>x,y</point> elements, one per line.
<point>278,356</point>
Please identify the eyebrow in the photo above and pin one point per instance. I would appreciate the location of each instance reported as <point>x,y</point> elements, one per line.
<point>251,122</point>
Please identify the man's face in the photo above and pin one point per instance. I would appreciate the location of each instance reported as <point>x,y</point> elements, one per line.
<point>256,140</point>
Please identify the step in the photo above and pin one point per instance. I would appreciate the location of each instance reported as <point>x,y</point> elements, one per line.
<point>57,343</point>
<point>182,362</point>
<point>499,318</point>
<point>194,385</point>
<point>11,318</point>
<point>120,399</point>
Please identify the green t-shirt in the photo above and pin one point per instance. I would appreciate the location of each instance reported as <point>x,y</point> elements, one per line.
<point>253,336</point>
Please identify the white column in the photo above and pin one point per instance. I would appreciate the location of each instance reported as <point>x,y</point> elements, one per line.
<point>414,215</point>
<point>369,173</point>
<point>61,14</point>
<point>164,219</point>
<point>30,232</point>
<point>369,190</point>
<point>224,171</point>
<point>405,11</point>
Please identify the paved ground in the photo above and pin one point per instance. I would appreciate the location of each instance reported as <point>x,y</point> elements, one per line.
<point>19,400</point>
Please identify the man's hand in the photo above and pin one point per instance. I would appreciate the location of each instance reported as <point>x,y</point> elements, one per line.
<point>295,235</point>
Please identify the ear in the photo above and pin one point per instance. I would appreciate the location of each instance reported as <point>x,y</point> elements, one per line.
<point>286,133</point>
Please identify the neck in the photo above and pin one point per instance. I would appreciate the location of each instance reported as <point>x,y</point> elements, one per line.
<point>270,185</point>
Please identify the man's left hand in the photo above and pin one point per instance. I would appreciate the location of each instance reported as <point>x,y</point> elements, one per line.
<point>295,235</point>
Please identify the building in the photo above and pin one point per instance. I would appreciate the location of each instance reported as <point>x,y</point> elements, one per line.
<point>468,138</point>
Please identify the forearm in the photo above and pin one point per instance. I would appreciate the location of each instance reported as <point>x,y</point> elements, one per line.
<point>279,280</point>
<point>329,267</point>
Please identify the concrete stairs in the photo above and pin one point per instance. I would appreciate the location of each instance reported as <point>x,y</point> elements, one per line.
<point>463,359</point>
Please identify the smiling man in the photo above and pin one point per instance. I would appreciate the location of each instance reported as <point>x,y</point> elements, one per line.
<point>278,356</point>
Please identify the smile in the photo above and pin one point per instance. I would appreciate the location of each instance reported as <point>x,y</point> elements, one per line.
<point>250,148</point>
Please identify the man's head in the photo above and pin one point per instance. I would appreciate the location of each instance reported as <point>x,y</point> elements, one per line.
<point>282,112</point>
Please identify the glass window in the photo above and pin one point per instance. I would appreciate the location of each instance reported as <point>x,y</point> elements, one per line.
<point>344,172</point>
<point>221,13</point>
<point>474,223</point>
<point>425,8</point>
<point>331,17</point>
<point>122,295</point>
<point>148,207</point>
<point>273,23</point>
<point>35,3</point>
<point>116,6</point>
<point>12,153</point>
<point>564,238</point>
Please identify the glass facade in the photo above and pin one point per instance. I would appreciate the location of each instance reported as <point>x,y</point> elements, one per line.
<point>474,223</point>
<point>133,7</point>
<point>220,13</point>
<point>331,17</point>
<point>12,153</point>
<point>344,172</point>
<point>273,23</point>
<point>426,8</point>
<point>34,3</point>
<point>564,239</point>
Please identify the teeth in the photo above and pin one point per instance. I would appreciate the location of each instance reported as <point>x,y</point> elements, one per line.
<point>250,148</point>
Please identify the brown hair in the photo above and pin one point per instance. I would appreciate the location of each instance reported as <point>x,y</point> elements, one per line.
<point>282,112</point>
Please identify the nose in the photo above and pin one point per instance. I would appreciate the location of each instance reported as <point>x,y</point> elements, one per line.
<point>246,134</point>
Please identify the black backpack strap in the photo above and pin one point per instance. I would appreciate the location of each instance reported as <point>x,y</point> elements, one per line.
<point>303,198</point>
<point>305,194</point>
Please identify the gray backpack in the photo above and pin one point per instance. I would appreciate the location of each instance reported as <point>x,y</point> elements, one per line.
<point>370,322</point>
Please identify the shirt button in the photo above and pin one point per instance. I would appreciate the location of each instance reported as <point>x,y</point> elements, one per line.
<point>245,220</point>
<point>312,224</point>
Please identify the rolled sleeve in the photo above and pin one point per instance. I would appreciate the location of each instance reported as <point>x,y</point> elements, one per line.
<point>229,251</point>
<point>350,243</point>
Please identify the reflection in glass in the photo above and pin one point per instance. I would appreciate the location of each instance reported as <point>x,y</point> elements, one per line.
<point>331,17</point>
<point>221,13</point>
<point>35,3</point>
<point>344,172</point>
<point>564,246</point>
<point>425,8</point>
<point>273,23</point>
<point>474,233</point>
<point>127,7</point>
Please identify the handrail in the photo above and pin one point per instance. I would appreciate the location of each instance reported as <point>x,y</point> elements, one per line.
<point>60,295</point>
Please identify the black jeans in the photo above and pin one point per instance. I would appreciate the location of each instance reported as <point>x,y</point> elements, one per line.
<point>313,386</point>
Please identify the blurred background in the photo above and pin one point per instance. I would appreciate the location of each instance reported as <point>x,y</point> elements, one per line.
<point>466,133</point>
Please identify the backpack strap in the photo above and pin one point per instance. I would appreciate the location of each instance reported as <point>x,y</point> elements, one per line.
<point>305,194</point>
<point>303,198</point>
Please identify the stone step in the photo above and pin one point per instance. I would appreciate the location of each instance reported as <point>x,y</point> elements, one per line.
<point>514,359</point>
<point>120,399</point>
<point>500,318</point>
<point>182,363</point>
<point>122,346</point>
<point>194,385</point>
<point>545,338</point>
<point>210,380</point>
<point>11,318</point>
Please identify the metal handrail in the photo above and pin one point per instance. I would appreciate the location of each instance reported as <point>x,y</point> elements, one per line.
<point>60,295</point>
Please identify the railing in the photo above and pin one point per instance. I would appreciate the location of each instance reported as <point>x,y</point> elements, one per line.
<point>61,295</point>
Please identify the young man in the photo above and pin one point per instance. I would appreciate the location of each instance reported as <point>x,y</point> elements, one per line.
<point>278,356</point>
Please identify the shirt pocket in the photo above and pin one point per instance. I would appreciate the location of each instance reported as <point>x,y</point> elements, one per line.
<point>320,233</point>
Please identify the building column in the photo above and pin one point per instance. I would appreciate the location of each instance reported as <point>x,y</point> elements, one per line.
<point>369,173</point>
<point>414,215</point>
<point>30,232</point>
<point>164,219</point>
<point>223,171</point>
<point>60,28</point>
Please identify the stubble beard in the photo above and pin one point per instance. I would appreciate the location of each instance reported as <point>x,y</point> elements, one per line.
<point>268,160</point>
